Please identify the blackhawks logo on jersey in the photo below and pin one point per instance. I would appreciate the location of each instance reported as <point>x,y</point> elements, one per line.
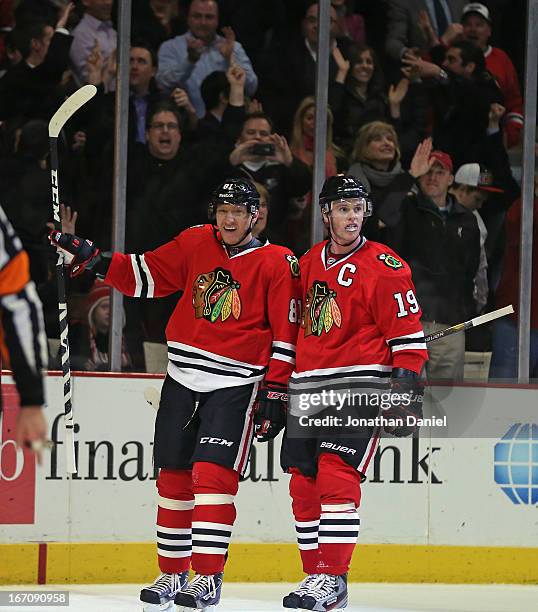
<point>294,266</point>
<point>215,295</point>
<point>390,261</point>
<point>321,311</point>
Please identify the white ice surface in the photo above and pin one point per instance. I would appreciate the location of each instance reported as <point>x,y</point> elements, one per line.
<point>268,596</point>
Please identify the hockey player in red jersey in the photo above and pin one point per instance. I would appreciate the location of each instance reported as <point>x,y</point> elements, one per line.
<point>361,322</point>
<point>234,327</point>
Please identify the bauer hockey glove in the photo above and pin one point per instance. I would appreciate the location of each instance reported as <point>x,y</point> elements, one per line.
<point>270,413</point>
<point>407,394</point>
<point>82,254</point>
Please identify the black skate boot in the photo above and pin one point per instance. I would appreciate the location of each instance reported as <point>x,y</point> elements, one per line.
<point>202,593</point>
<point>327,592</point>
<point>293,599</point>
<point>160,595</point>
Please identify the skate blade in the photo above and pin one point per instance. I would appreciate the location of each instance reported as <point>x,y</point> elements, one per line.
<point>149,607</point>
<point>185,609</point>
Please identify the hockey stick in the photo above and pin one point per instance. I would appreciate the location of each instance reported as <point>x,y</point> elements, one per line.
<point>485,318</point>
<point>60,118</point>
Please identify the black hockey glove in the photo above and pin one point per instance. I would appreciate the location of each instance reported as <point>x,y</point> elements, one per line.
<point>82,254</point>
<point>407,394</point>
<point>270,413</point>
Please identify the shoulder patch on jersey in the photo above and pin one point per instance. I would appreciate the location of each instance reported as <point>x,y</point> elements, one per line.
<point>390,261</point>
<point>293,262</point>
<point>321,310</point>
<point>215,295</point>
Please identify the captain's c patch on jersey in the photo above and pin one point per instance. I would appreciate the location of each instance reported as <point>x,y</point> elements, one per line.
<point>390,261</point>
<point>215,295</point>
<point>293,262</point>
<point>321,310</point>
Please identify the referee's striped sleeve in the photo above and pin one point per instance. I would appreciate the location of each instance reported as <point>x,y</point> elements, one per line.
<point>22,334</point>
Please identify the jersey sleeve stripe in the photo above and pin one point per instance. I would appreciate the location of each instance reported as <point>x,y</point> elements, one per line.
<point>149,277</point>
<point>282,357</point>
<point>414,346</point>
<point>284,345</point>
<point>138,279</point>
<point>143,277</point>
<point>406,337</point>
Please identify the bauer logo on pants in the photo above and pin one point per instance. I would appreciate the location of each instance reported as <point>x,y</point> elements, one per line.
<point>17,468</point>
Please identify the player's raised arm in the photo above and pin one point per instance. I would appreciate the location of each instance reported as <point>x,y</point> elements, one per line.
<point>152,274</point>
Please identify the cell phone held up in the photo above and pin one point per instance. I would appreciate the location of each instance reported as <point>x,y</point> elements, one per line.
<point>263,149</point>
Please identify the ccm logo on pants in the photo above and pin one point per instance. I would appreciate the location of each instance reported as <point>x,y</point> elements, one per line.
<point>219,441</point>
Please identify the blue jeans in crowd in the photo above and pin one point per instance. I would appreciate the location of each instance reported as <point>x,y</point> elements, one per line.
<point>505,351</point>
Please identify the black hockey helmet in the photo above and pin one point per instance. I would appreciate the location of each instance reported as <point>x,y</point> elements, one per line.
<point>237,191</point>
<point>344,187</point>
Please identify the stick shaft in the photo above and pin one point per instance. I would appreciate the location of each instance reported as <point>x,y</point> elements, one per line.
<point>459,327</point>
<point>62,312</point>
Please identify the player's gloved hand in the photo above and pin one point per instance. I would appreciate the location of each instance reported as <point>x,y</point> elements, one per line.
<point>270,412</point>
<point>407,394</point>
<point>82,254</point>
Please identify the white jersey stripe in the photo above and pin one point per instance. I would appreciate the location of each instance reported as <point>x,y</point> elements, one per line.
<point>149,277</point>
<point>353,369</point>
<point>214,356</point>
<point>138,279</point>
<point>409,347</point>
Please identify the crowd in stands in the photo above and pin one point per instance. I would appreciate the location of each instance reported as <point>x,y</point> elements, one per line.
<point>425,106</point>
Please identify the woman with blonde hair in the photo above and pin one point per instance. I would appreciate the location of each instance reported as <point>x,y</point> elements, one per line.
<point>302,136</point>
<point>302,147</point>
<point>376,163</point>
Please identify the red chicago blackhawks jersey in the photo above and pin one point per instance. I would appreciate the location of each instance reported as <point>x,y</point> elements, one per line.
<point>360,316</point>
<point>237,319</point>
<point>501,67</point>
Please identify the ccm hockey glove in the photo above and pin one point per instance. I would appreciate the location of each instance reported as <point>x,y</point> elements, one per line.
<point>407,394</point>
<point>270,413</point>
<point>82,254</point>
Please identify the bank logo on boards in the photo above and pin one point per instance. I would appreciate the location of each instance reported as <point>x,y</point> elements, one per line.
<point>17,467</point>
<point>516,463</point>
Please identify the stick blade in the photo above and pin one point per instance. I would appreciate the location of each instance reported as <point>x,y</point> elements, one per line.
<point>69,108</point>
<point>491,316</point>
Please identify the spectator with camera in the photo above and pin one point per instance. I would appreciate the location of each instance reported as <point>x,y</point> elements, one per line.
<point>186,60</point>
<point>265,157</point>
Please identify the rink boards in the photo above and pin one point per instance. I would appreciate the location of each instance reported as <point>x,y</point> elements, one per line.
<point>455,505</point>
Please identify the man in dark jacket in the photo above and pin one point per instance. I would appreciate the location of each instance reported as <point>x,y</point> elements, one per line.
<point>30,89</point>
<point>440,241</point>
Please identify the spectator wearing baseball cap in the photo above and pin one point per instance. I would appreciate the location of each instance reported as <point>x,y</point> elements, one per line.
<point>472,186</point>
<point>477,28</point>
<point>440,240</point>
